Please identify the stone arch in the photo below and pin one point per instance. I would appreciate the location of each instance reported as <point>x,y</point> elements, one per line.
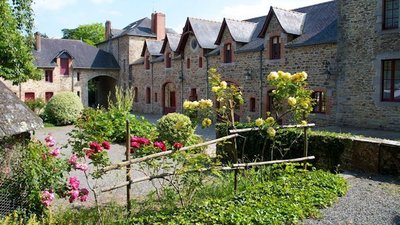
<point>98,88</point>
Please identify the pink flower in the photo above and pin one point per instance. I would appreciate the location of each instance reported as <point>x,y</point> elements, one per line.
<point>74,183</point>
<point>95,146</point>
<point>82,167</point>
<point>55,152</point>
<point>89,153</point>
<point>160,145</point>
<point>73,195</point>
<point>178,145</point>
<point>84,194</point>
<point>47,198</point>
<point>140,140</point>
<point>106,145</point>
<point>73,159</point>
<point>50,141</point>
<point>135,144</point>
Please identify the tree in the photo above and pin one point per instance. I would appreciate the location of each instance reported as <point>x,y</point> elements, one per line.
<point>89,33</point>
<point>16,39</point>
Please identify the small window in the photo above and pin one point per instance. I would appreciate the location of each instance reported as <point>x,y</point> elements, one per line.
<point>188,63</point>
<point>228,53</point>
<point>64,66</point>
<point>135,94</point>
<point>168,60</point>
<point>391,80</point>
<point>147,62</point>
<point>78,76</point>
<point>48,96</point>
<point>193,94</point>
<point>252,104</point>
<point>275,48</point>
<point>319,101</point>
<point>78,93</point>
<point>29,96</point>
<point>148,95</point>
<point>48,76</point>
<point>200,62</point>
<point>390,14</point>
<point>155,97</point>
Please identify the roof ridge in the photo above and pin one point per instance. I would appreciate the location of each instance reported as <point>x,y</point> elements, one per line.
<point>213,21</point>
<point>287,10</point>
<point>243,21</point>
<point>321,3</point>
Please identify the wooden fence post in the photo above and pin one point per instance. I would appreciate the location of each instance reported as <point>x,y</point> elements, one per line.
<point>128,168</point>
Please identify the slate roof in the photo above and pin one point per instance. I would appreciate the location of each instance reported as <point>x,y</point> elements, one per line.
<point>84,55</point>
<point>173,40</point>
<point>256,43</point>
<point>15,116</point>
<point>241,31</point>
<point>292,22</point>
<point>154,47</point>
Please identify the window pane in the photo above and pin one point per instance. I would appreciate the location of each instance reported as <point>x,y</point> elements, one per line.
<point>397,89</point>
<point>386,89</point>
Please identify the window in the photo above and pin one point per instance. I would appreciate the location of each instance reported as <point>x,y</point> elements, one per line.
<point>29,96</point>
<point>193,94</point>
<point>155,97</point>
<point>147,62</point>
<point>252,104</point>
<point>168,60</point>
<point>275,48</point>
<point>200,62</point>
<point>188,63</point>
<point>228,53</point>
<point>320,102</point>
<point>64,66</point>
<point>148,95</point>
<point>391,14</point>
<point>135,94</point>
<point>48,96</point>
<point>78,76</point>
<point>391,80</point>
<point>48,76</point>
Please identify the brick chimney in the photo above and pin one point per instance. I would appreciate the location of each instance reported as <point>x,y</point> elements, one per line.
<point>38,44</point>
<point>107,29</point>
<point>158,25</point>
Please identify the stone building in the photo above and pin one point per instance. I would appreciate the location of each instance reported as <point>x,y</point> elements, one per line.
<point>70,65</point>
<point>350,49</point>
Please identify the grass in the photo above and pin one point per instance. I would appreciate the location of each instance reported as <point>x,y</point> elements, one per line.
<point>272,195</point>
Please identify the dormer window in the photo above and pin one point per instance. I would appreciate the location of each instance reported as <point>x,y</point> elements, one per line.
<point>391,14</point>
<point>228,53</point>
<point>48,76</point>
<point>275,48</point>
<point>168,60</point>
<point>64,66</point>
<point>147,62</point>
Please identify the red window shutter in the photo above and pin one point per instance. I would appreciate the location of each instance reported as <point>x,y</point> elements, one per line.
<point>48,96</point>
<point>64,66</point>
<point>29,96</point>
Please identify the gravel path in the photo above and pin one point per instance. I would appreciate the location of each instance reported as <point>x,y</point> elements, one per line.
<point>371,200</point>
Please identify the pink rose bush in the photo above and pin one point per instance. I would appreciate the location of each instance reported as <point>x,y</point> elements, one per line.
<point>75,192</point>
<point>141,146</point>
<point>47,198</point>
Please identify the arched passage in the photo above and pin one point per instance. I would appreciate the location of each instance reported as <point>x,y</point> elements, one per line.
<point>99,88</point>
<point>169,98</point>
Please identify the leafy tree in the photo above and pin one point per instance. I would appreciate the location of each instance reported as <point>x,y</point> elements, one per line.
<point>89,33</point>
<point>16,59</point>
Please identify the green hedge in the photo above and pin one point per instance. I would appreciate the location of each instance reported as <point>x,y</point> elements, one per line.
<point>327,147</point>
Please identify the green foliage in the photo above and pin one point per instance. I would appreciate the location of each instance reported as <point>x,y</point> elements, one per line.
<point>37,171</point>
<point>175,127</point>
<point>123,100</point>
<point>63,108</point>
<point>36,105</point>
<point>89,33</point>
<point>16,59</point>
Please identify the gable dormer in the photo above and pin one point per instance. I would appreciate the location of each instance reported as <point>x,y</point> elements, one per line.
<point>151,50</point>
<point>169,48</point>
<point>64,61</point>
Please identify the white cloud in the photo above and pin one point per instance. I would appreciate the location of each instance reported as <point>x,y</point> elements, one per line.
<point>51,5</point>
<point>101,1</point>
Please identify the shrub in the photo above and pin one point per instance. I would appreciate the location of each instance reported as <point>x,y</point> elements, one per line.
<point>175,127</point>
<point>63,108</point>
<point>36,105</point>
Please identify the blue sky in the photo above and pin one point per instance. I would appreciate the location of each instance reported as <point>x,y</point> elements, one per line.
<point>51,16</point>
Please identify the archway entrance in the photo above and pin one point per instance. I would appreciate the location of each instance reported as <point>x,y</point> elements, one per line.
<point>99,88</point>
<point>169,98</point>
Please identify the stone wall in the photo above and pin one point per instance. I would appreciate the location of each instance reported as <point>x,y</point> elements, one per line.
<point>362,45</point>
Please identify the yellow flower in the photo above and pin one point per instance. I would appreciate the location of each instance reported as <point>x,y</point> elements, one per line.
<point>304,123</point>
<point>206,122</point>
<point>304,76</point>
<point>205,103</point>
<point>215,89</point>
<point>286,76</point>
<point>259,122</point>
<point>223,85</point>
<point>187,104</point>
<point>273,76</point>
<point>195,104</point>
<point>270,120</point>
<point>212,70</point>
<point>304,105</point>
<point>271,131</point>
<point>292,101</point>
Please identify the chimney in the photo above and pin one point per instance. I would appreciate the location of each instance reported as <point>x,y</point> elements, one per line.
<point>158,25</point>
<point>107,30</point>
<point>38,44</point>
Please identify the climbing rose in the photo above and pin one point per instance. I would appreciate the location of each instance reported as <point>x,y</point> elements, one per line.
<point>73,159</point>
<point>206,122</point>
<point>273,76</point>
<point>140,140</point>
<point>106,145</point>
<point>55,152</point>
<point>160,145</point>
<point>270,120</point>
<point>271,132</point>
<point>74,183</point>
<point>50,141</point>
<point>47,198</point>
<point>292,101</point>
<point>73,195</point>
<point>178,145</point>
<point>84,194</point>
<point>95,146</point>
<point>135,144</point>
<point>82,167</point>
<point>89,153</point>
<point>259,122</point>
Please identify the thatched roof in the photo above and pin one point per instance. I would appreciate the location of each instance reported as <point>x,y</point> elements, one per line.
<point>15,116</point>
